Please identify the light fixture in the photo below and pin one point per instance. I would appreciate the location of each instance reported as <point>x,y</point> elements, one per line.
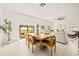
<point>42,4</point>
<point>61,18</point>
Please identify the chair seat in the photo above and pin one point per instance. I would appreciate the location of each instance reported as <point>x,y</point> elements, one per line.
<point>35,42</point>
<point>47,44</point>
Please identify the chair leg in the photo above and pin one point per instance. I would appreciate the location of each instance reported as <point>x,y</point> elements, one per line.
<point>26,42</point>
<point>32,49</point>
<point>41,47</point>
<point>51,51</point>
<point>55,49</point>
<point>28,45</point>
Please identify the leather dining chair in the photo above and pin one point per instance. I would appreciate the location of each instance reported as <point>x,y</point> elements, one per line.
<point>50,42</point>
<point>31,40</point>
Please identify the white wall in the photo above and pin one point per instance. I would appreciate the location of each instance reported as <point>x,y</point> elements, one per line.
<point>70,20</point>
<point>19,19</point>
<point>1,32</point>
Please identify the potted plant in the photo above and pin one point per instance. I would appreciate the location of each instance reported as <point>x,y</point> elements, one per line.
<point>6,27</point>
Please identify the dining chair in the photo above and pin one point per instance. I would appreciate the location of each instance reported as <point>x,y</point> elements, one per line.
<point>50,43</point>
<point>26,37</point>
<point>33,41</point>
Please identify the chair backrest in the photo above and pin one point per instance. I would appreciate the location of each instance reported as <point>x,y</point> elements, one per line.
<point>52,40</point>
<point>26,37</point>
<point>31,38</point>
<point>52,32</point>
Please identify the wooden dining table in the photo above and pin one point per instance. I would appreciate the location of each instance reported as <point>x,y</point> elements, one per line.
<point>40,38</point>
<point>45,41</point>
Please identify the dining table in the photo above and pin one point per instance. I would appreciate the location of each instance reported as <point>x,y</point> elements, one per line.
<point>41,38</point>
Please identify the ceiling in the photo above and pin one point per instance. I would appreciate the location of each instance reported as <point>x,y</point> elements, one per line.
<point>50,11</point>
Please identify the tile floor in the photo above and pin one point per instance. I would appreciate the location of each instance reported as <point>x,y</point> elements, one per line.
<point>19,48</point>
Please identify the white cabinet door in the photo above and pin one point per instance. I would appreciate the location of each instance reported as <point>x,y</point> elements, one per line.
<point>61,37</point>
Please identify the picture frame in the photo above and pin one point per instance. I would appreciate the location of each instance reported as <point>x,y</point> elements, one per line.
<point>23,30</point>
<point>31,29</point>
